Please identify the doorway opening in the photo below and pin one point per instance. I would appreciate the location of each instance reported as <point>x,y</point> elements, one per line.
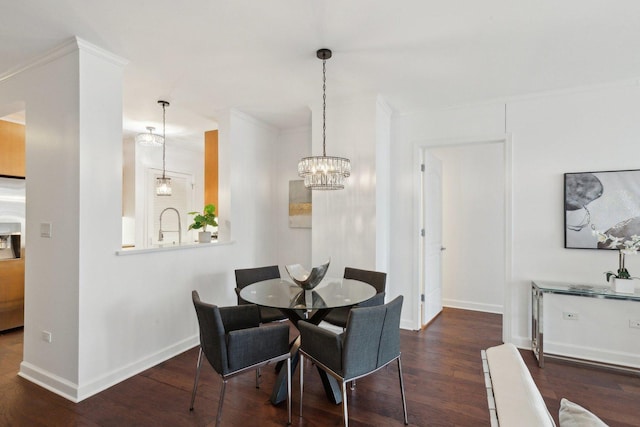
<point>12,240</point>
<point>472,220</point>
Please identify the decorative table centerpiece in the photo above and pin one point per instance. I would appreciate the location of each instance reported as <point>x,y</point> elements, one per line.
<point>307,280</point>
<point>621,281</point>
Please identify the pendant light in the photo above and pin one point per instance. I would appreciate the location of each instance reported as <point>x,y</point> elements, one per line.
<point>163,184</point>
<point>149,139</point>
<point>324,172</point>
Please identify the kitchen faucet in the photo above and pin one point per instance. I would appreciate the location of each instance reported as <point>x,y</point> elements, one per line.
<point>160,232</point>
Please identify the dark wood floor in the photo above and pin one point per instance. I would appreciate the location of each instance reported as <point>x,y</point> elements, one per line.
<point>442,371</point>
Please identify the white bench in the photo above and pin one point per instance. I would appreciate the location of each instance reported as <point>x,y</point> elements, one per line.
<point>515,401</point>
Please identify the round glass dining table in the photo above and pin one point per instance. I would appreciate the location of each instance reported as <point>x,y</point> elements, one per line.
<point>310,306</point>
<point>285,295</point>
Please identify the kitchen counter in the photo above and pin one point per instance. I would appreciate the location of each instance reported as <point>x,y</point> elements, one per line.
<point>172,247</point>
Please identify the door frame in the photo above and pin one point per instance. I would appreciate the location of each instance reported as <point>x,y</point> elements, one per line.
<point>421,145</point>
<point>424,232</point>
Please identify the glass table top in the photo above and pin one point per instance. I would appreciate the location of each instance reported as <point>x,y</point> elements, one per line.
<point>330,293</point>
<point>585,290</point>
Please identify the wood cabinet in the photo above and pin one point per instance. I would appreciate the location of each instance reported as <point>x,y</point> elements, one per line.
<point>11,293</point>
<point>211,168</point>
<point>12,149</point>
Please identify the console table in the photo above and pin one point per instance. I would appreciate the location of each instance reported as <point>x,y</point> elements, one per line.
<point>539,288</point>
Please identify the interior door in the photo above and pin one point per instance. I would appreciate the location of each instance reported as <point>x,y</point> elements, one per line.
<point>432,238</point>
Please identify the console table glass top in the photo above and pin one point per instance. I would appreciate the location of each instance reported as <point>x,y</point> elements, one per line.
<point>583,290</point>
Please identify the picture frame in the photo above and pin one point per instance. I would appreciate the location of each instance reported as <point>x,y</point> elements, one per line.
<point>299,205</point>
<point>605,202</point>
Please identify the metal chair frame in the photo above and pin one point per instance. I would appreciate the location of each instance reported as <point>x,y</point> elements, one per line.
<point>344,381</point>
<point>226,377</point>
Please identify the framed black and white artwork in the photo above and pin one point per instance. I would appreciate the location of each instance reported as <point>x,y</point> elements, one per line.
<point>605,202</point>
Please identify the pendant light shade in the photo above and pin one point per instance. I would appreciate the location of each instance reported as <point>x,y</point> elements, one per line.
<point>149,139</point>
<point>163,184</point>
<point>324,172</point>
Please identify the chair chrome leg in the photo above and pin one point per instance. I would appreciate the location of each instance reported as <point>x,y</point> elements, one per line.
<point>344,404</point>
<point>404,400</point>
<point>301,380</point>
<point>195,381</point>
<point>289,390</point>
<point>353,385</point>
<point>219,416</point>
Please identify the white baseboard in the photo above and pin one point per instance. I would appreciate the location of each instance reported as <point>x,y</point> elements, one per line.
<point>604,356</point>
<point>521,342</point>
<point>77,393</point>
<point>408,324</point>
<point>49,381</point>
<point>470,305</point>
<point>583,354</point>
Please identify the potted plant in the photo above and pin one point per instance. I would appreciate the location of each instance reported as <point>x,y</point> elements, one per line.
<point>621,280</point>
<point>202,220</point>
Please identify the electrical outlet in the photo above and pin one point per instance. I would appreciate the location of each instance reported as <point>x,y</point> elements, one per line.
<point>634,324</point>
<point>46,336</point>
<point>569,316</point>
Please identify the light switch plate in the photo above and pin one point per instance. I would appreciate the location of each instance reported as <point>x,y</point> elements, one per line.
<point>45,229</point>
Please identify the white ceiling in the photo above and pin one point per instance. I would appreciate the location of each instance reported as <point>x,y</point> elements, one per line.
<point>206,56</point>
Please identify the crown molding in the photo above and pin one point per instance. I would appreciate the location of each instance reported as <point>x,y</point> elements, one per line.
<point>100,52</point>
<point>614,84</point>
<point>250,119</point>
<point>71,45</point>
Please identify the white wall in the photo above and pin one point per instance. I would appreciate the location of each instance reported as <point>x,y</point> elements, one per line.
<point>294,244</point>
<point>253,162</point>
<point>473,226</point>
<point>382,183</point>
<point>601,331</point>
<point>51,94</point>
<point>571,131</point>
<point>345,222</point>
<point>112,316</point>
<point>409,134</point>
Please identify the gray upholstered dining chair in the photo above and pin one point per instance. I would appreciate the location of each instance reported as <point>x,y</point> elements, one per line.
<point>233,342</point>
<point>370,342</point>
<point>247,276</point>
<point>377,279</point>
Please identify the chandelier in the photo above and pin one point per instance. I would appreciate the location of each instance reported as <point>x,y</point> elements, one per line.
<point>324,172</point>
<point>149,139</point>
<point>163,184</point>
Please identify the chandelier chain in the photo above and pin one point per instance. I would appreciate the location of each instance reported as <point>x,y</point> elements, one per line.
<point>164,141</point>
<point>324,107</point>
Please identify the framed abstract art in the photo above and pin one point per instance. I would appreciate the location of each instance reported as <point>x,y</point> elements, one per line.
<point>606,202</point>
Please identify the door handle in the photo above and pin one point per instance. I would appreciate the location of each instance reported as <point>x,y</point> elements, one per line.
<point>442,248</point>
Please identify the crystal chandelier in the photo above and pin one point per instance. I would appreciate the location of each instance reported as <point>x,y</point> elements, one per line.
<point>324,172</point>
<point>149,139</point>
<point>163,184</point>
